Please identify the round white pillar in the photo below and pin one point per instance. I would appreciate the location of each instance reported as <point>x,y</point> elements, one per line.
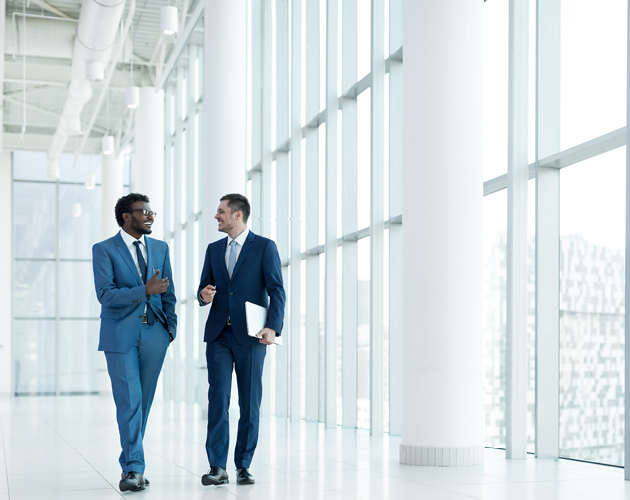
<point>148,166</point>
<point>111,190</point>
<point>442,236</point>
<point>224,108</point>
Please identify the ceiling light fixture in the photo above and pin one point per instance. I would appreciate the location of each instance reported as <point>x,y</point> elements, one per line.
<point>132,93</point>
<point>90,181</point>
<point>76,209</point>
<point>168,19</point>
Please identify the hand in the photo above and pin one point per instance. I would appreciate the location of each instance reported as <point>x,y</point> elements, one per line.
<point>208,293</point>
<point>267,336</point>
<point>155,285</point>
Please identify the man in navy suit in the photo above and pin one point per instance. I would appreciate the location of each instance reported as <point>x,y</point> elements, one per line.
<point>138,322</point>
<point>243,267</point>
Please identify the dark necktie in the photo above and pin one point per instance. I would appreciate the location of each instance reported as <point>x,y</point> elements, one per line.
<point>141,262</point>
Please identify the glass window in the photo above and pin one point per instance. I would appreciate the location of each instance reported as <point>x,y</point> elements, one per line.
<point>363,334</point>
<point>34,356</point>
<point>35,214</point>
<point>30,165</point>
<point>593,69</point>
<point>364,156</point>
<point>592,289</point>
<point>79,357</point>
<point>34,291</point>
<point>77,297</point>
<point>77,235</point>
<point>495,88</point>
<point>494,316</point>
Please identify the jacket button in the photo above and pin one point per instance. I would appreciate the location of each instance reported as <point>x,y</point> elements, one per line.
<point>227,310</point>
<point>231,293</point>
<point>140,317</point>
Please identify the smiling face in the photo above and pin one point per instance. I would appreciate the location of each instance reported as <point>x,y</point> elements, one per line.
<point>136,223</point>
<point>226,219</point>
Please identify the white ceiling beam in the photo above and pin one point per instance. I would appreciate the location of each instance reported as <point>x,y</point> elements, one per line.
<point>44,111</point>
<point>41,142</point>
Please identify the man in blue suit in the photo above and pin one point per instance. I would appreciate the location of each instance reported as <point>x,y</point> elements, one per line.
<point>138,322</point>
<point>243,267</point>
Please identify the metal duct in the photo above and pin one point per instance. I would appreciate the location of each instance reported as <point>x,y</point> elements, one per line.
<point>96,32</point>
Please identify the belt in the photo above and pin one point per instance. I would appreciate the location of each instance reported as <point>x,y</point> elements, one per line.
<point>145,320</point>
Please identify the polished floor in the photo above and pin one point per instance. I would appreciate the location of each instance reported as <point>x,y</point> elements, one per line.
<point>66,448</point>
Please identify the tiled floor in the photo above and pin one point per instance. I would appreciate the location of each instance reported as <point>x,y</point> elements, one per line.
<point>66,448</point>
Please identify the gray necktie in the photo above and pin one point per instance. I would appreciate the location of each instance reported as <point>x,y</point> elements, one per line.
<point>232,260</point>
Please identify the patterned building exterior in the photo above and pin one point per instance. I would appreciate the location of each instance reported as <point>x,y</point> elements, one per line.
<point>591,348</point>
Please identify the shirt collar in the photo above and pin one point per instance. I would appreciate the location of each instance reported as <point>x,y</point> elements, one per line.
<point>129,240</point>
<point>240,239</point>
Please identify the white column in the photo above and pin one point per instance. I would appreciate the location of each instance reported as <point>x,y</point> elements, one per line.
<point>548,231</point>
<point>442,243</point>
<point>296,207</point>
<point>626,472</point>
<point>6,275</point>
<point>516,342</point>
<point>224,108</point>
<point>111,190</point>
<point>282,190</point>
<point>377,226</point>
<point>395,230</point>
<point>149,153</point>
<point>331,214</point>
<point>312,213</point>
<point>349,223</point>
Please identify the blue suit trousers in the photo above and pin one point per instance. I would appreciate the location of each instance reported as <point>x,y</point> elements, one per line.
<point>134,375</point>
<point>223,355</point>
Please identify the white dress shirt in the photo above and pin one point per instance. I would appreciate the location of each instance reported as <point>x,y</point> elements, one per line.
<point>129,241</point>
<point>240,241</point>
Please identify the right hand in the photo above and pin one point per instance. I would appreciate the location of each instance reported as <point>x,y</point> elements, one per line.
<point>208,293</point>
<point>155,285</point>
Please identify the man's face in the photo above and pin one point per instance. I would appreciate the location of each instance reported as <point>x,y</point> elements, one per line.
<point>226,219</point>
<point>137,220</point>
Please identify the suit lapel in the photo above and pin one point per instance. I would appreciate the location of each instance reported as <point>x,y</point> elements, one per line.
<point>244,251</point>
<point>126,255</point>
<point>221,258</point>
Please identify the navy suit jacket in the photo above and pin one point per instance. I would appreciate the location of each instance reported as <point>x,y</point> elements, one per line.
<point>257,278</point>
<point>122,295</point>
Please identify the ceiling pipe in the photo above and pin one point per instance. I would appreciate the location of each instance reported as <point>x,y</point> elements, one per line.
<point>96,33</point>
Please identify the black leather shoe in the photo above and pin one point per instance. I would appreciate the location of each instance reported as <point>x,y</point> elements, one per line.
<point>146,481</point>
<point>133,481</point>
<point>216,475</point>
<point>244,477</point>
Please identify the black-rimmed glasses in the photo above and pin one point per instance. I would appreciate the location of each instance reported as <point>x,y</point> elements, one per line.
<point>144,211</point>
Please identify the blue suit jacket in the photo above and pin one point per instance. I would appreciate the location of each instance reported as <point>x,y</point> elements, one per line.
<point>120,291</point>
<point>257,278</point>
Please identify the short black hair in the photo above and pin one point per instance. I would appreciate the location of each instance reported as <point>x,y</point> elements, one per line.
<point>123,205</point>
<point>238,203</point>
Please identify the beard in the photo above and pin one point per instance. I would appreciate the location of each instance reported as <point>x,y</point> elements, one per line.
<point>140,227</point>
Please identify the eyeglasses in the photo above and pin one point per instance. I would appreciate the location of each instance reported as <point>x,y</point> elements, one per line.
<point>144,211</point>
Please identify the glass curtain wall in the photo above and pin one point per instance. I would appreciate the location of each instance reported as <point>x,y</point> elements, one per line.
<point>55,311</point>
<point>324,134</point>
<point>182,155</point>
<point>582,97</point>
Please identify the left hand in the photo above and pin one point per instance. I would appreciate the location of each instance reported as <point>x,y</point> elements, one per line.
<point>267,336</point>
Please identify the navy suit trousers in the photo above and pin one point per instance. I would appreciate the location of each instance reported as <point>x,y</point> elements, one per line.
<point>223,355</point>
<point>134,375</point>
